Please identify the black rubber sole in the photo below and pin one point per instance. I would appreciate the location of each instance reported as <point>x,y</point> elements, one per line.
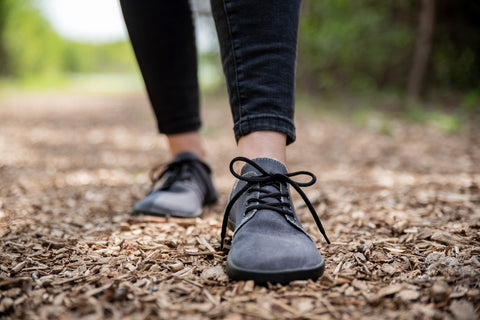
<point>280,276</point>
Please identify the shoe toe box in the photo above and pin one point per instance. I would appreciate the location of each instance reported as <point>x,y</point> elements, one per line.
<point>184,203</point>
<point>270,244</point>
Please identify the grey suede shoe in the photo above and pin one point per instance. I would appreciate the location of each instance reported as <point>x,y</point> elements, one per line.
<point>180,190</point>
<point>269,244</point>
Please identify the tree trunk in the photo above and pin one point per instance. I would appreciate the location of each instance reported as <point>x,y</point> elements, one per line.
<point>422,50</point>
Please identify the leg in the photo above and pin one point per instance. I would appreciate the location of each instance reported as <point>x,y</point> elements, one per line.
<point>186,142</point>
<point>258,41</point>
<point>163,38</point>
<point>264,143</point>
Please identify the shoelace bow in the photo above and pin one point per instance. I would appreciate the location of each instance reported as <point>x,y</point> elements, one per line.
<point>176,172</point>
<point>267,179</point>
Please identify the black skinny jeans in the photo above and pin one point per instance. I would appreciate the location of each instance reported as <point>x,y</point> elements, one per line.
<point>258,44</point>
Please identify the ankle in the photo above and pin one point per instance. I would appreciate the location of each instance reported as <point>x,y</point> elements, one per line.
<point>186,142</point>
<point>264,144</point>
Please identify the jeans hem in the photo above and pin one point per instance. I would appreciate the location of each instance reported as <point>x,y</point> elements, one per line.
<point>179,127</point>
<point>265,122</point>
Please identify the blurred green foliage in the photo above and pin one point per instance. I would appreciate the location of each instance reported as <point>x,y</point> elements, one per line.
<point>30,49</point>
<point>112,57</point>
<point>32,46</point>
<point>345,46</point>
<point>354,44</point>
<point>450,122</point>
<point>456,49</point>
<point>369,44</point>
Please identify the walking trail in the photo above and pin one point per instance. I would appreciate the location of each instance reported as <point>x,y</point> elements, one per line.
<point>402,210</point>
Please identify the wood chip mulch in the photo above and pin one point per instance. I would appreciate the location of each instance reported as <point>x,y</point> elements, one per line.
<point>402,211</point>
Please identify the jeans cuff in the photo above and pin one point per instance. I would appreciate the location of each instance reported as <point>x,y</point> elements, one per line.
<point>176,127</point>
<point>251,124</point>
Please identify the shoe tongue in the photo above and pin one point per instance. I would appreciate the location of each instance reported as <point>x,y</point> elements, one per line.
<point>267,164</point>
<point>270,166</point>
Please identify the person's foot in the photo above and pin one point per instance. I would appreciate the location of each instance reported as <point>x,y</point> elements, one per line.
<point>269,244</point>
<point>180,190</point>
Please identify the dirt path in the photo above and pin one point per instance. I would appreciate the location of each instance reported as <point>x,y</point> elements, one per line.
<point>402,210</point>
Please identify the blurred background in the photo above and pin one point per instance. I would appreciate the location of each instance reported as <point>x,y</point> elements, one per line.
<point>420,58</point>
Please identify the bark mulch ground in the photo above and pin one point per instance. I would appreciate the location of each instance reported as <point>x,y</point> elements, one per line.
<point>402,210</point>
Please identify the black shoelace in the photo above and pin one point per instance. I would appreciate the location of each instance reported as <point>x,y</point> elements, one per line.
<point>270,179</point>
<point>177,170</point>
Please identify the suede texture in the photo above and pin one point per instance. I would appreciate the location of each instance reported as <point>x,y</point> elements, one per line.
<point>190,188</point>
<point>266,240</point>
